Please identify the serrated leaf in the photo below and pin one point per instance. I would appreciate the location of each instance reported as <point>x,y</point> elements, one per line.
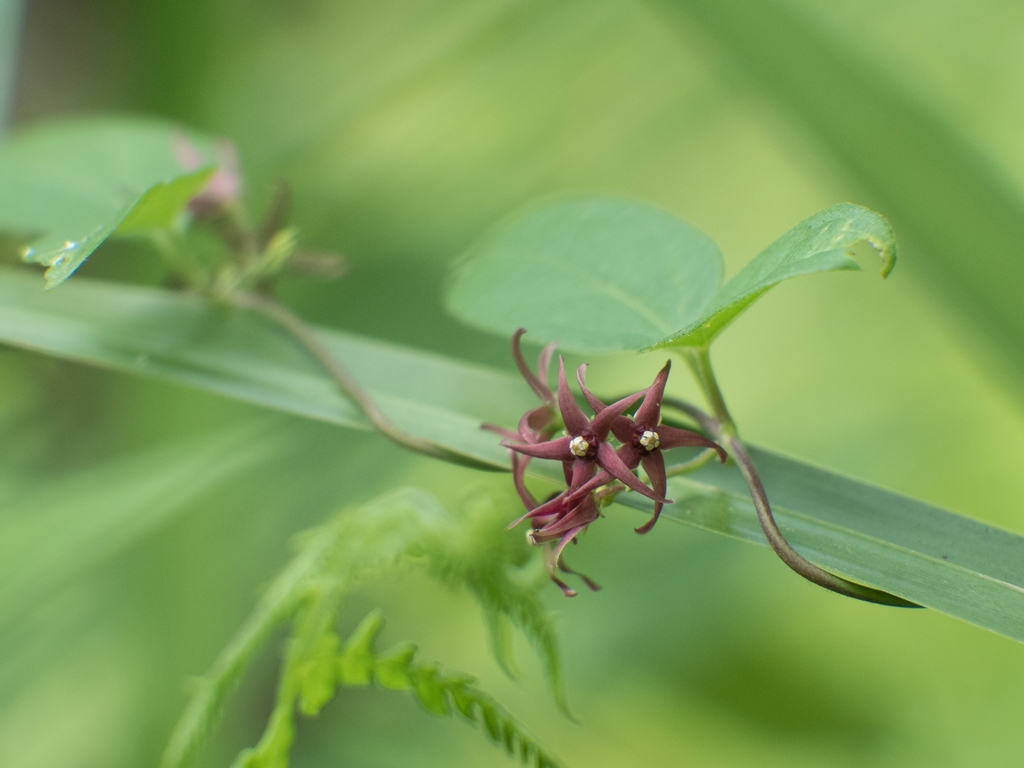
<point>355,665</point>
<point>491,722</point>
<point>66,187</point>
<point>820,243</point>
<point>429,689</point>
<point>463,701</point>
<point>315,650</point>
<point>595,274</point>
<point>392,668</point>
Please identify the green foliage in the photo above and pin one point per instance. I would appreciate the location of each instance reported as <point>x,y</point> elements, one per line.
<point>601,275</point>
<point>597,275</point>
<point>67,187</point>
<point>314,665</point>
<point>406,525</point>
<point>440,693</point>
<point>182,339</point>
<point>820,243</point>
<point>503,593</point>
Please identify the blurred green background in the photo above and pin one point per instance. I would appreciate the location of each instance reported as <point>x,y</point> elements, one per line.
<point>405,129</point>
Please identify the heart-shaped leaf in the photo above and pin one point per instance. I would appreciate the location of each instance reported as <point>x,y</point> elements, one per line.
<point>821,243</point>
<point>594,274</point>
<point>66,188</point>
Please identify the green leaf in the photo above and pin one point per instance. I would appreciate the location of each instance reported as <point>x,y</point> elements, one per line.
<point>162,203</point>
<point>821,243</point>
<point>392,668</point>
<point>436,691</point>
<point>879,538</point>
<point>355,665</point>
<point>579,272</point>
<point>315,651</point>
<point>67,187</point>
<point>482,562</point>
<point>430,691</point>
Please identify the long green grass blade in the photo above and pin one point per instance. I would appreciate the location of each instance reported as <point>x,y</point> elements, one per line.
<point>932,557</point>
<point>936,558</point>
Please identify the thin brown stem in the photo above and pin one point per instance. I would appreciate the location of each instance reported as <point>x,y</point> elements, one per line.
<point>778,542</point>
<point>297,328</point>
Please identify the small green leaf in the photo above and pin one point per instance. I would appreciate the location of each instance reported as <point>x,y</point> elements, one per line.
<point>820,243</point>
<point>392,668</point>
<point>491,722</point>
<point>463,700</point>
<point>355,665</point>
<point>315,645</point>
<point>508,733</point>
<point>161,204</point>
<point>67,187</point>
<point>429,689</point>
<point>594,274</point>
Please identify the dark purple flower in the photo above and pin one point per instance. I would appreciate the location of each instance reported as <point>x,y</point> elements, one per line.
<point>559,520</point>
<point>589,460</point>
<point>536,425</point>
<point>585,447</point>
<point>643,438</point>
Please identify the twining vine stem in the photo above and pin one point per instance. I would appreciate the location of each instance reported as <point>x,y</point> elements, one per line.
<point>294,325</point>
<point>722,429</point>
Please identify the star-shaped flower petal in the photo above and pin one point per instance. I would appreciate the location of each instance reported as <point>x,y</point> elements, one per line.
<point>644,439</point>
<point>537,424</point>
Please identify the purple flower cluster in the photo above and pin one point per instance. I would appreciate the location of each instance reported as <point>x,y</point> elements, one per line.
<point>589,459</point>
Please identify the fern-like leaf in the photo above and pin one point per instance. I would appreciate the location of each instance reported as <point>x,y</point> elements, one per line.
<point>407,524</point>
<point>495,569</point>
<point>442,693</point>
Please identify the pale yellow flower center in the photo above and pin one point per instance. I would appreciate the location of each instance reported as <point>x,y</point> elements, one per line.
<point>579,447</point>
<point>649,440</point>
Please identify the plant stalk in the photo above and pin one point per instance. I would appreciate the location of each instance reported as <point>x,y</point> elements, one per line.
<point>297,328</point>
<point>698,360</point>
<point>724,432</point>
